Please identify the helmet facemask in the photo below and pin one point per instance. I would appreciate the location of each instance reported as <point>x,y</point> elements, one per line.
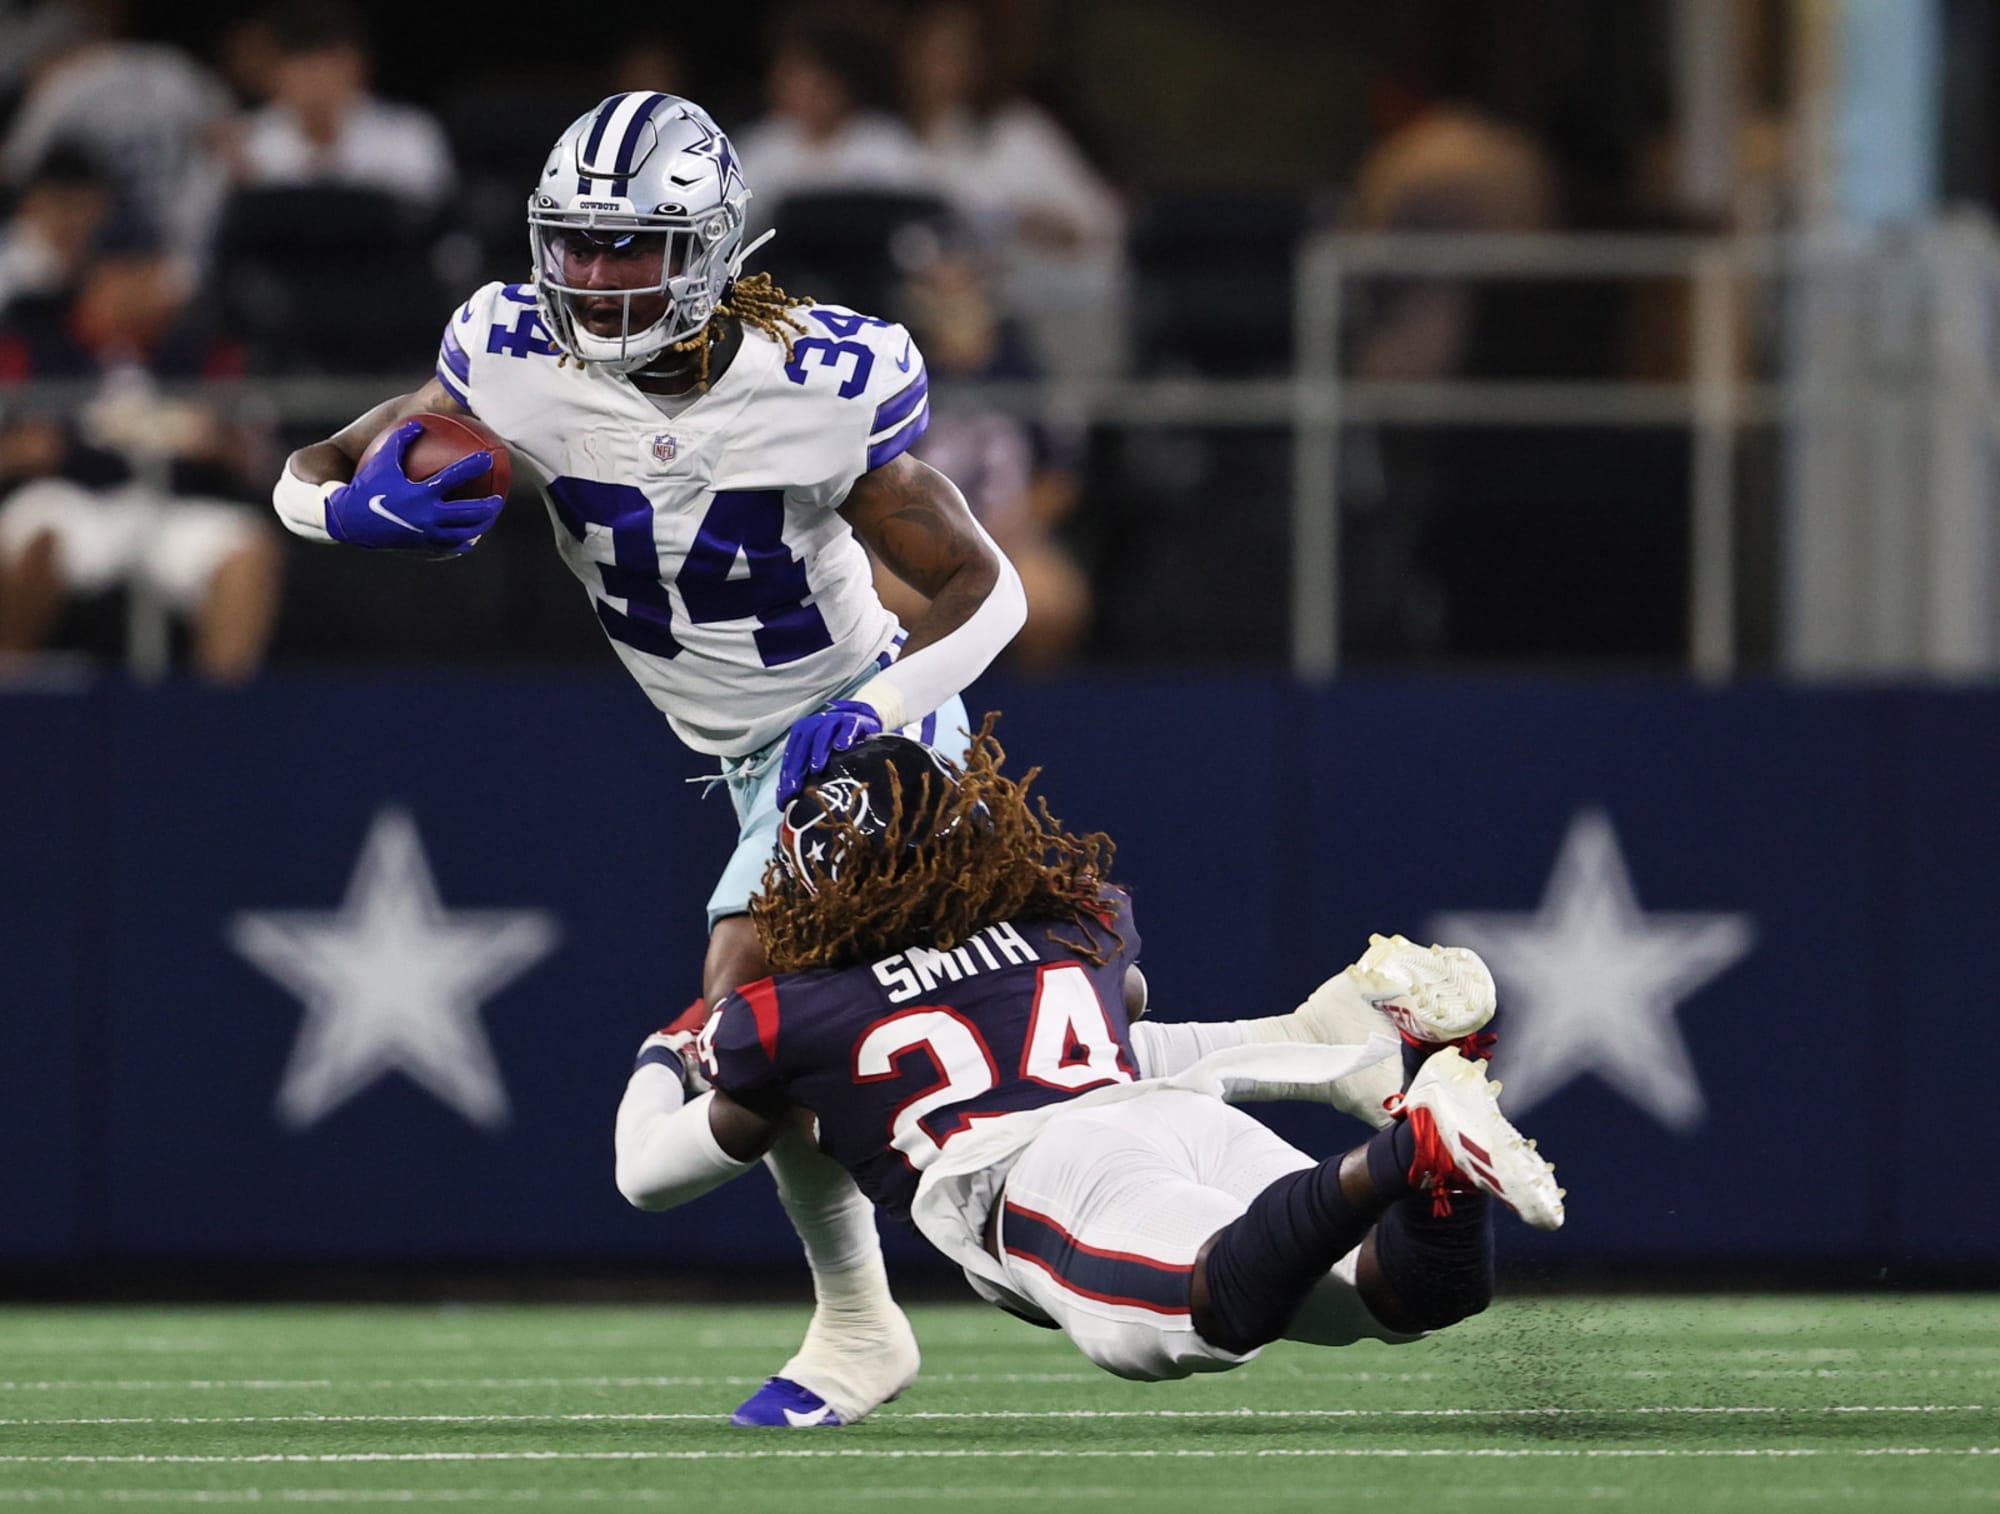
<point>682,260</point>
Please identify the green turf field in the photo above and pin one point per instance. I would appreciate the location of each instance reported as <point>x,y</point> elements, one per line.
<point>1681,1404</point>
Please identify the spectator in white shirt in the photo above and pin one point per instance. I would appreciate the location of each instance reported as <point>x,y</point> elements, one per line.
<point>1008,168</point>
<point>323,126</point>
<point>827,128</point>
<point>145,113</point>
<point>1055,228</point>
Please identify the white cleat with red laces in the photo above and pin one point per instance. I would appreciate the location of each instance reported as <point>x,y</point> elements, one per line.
<point>1464,1142</point>
<point>1430,995</point>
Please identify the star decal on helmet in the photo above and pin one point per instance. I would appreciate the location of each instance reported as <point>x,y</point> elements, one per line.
<point>714,144</point>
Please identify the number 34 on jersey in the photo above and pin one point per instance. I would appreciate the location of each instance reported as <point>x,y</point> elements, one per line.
<point>709,539</point>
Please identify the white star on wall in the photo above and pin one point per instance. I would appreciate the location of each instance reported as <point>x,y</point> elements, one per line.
<point>1589,982</point>
<point>392,982</point>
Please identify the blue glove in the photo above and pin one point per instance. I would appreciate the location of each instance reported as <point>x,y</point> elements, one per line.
<point>385,507</point>
<point>816,737</point>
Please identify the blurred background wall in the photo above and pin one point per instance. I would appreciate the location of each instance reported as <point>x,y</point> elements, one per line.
<point>1514,468</point>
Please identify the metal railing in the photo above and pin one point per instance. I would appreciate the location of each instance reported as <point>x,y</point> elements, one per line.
<point>1712,404</point>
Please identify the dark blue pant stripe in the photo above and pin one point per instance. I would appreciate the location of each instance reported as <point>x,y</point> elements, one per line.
<point>1110,1277</point>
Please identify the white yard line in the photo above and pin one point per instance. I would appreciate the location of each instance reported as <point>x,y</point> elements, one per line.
<point>1484,1492</point>
<point>1631,1351</point>
<point>321,1384</point>
<point>376,1384</point>
<point>379,1384</point>
<point>968,1453</point>
<point>897,1416</point>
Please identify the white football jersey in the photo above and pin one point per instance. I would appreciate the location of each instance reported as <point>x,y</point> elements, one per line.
<point>710,540</point>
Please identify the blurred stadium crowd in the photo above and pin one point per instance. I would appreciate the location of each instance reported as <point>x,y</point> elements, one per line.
<point>212,248</point>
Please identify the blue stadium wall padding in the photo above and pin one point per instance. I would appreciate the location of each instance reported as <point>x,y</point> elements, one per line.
<point>1940,839</point>
<point>53,837</point>
<point>1820,1094</point>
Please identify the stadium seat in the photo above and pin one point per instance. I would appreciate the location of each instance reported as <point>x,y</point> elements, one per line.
<point>1186,535</point>
<point>500,136</point>
<point>1212,276</point>
<point>843,247</point>
<point>328,280</point>
<point>1594,525</point>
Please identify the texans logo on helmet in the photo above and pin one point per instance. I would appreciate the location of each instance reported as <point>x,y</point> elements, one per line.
<point>806,856</point>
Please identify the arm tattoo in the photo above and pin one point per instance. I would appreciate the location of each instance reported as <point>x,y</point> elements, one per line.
<point>913,518</point>
<point>912,490</point>
<point>924,518</point>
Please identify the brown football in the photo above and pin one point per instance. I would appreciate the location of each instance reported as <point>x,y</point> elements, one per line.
<point>445,439</point>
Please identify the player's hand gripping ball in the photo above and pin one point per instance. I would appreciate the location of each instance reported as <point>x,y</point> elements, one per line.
<point>435,484</point>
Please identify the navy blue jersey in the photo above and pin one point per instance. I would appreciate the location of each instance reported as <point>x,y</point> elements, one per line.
<point>898,1056</point>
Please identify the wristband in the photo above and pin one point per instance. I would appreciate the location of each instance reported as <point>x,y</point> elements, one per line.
<point>302,505</point>
<point>886,700</point>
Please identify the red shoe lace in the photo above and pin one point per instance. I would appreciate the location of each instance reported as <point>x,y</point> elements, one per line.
<point>1432,1168</point>
<point>1476,1047</point>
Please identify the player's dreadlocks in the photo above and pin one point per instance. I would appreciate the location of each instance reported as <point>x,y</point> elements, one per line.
<point>755,301</point>
<point>991,857</point>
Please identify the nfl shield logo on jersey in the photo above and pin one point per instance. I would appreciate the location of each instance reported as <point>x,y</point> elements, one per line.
<point>665,447</point>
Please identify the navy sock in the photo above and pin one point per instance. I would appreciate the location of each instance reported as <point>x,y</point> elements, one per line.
<point>1390,1155</point>
<point>1438,1269</point>
<point>1262,1264</point>
<point>1415,1053</point>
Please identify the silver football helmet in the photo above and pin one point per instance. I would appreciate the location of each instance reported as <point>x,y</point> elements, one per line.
<point>640,172</point>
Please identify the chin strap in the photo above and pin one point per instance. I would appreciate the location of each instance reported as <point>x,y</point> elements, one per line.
<point>736,263</point>
<point>743,253</point>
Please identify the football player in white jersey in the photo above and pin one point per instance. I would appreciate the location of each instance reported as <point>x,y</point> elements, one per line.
<point>713,455</point>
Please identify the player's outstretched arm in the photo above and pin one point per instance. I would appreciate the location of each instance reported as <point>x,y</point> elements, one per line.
<point>914,519</point>
<point>322,497</point>
<point>668,1156</point>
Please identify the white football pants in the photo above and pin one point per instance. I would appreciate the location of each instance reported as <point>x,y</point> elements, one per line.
<point>1105,1209</point>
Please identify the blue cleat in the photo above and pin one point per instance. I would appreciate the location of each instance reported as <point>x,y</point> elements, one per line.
<point>781,1403</point>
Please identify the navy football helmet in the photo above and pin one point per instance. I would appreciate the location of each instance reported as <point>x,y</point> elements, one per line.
<point>859,786</point>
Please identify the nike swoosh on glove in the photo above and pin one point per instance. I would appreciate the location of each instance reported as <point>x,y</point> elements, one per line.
<point>816,737</point>
<point>385,508</point>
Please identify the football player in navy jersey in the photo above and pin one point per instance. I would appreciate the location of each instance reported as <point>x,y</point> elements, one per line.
<point>954,1021</point>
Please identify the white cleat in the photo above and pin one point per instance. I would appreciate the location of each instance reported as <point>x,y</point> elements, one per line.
<point>854,1360</point>
<point>1427,993</point>
<point>1463,1141</point>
